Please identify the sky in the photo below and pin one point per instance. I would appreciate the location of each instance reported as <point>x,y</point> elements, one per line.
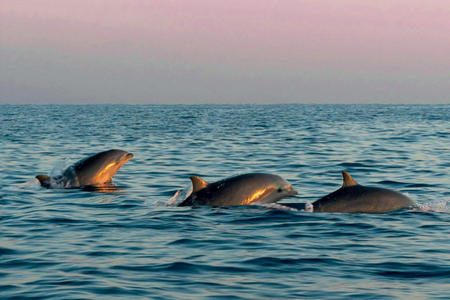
<point>216,51</point>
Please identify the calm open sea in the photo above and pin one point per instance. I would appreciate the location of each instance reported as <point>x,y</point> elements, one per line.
<point>72,244</point>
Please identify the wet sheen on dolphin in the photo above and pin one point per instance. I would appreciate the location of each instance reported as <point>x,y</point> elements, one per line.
<point>355,198</point>
<point>95,170</point>
<point>244,189</point>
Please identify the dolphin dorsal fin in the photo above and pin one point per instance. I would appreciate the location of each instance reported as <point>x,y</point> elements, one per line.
<point>348,180</point>
<point>198,184</point>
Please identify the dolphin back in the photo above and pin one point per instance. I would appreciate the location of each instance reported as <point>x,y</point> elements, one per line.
<point>362,199</point>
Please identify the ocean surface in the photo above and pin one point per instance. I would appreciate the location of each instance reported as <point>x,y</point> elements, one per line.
<point>133,244</point>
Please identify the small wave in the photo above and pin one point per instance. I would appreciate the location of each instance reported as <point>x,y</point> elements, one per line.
<point>6,251</point>
<point>390,182</point>
<point>411,270</point>
<point>278,262</point>
<point>181,267</point>
<point>62,221</point>
<point>352,164</point>
<point>419,185</point>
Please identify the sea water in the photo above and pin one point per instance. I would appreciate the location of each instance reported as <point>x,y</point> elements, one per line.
<point>131,243</point>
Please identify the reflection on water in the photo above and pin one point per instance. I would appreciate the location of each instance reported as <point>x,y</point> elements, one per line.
<point>102,188</point>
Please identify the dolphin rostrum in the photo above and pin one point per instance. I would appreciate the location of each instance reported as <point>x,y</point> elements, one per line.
<point>244,189</point>
<point>94,170</point>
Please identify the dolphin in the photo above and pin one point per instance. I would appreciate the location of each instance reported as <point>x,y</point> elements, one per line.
<point>355,198</point>
<point>244,189</point>
<point>95,170</point>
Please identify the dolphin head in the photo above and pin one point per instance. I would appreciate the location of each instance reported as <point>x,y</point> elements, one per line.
<point>260,188</point>
<point>44,180</point>
<point>99,168</point>
<point>276,189</point>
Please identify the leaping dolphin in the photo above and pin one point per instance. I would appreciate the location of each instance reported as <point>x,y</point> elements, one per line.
<point>355,198</point>
<point>94,170</point>
<point>244,189</point>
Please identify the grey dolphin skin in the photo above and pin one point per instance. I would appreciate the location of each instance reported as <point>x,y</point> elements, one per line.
<point>94,170</point>
<point>355,198</point>
<point>244,189</point>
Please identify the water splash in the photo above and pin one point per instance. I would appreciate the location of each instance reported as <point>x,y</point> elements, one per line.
<point>441,206</point>
<point>59,167</point>
<point>276,206</point>
<point>32,184</point>
<point>180,196</point>
<point>308,206</point>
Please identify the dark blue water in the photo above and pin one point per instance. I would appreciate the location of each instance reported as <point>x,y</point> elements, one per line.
<point>72,244</point>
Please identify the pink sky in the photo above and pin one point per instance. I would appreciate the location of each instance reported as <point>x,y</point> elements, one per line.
<point>397,36</point>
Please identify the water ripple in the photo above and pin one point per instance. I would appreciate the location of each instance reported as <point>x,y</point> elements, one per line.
<point>130,244</point>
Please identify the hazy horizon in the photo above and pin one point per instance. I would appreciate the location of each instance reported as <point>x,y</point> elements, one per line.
<point>228,104</point>
<point>215,52</point>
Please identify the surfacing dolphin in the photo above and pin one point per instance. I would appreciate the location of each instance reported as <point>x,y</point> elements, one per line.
<point>355,198</point>
<point>95,170</point>
<point>244,189</point>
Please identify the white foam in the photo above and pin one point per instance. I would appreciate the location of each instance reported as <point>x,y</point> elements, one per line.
<point>58,168</point>
<point>31,184</point>
<point>441,206</point>
<point>180,196</point>
<point>276,206</point>
<point>308,206</point>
